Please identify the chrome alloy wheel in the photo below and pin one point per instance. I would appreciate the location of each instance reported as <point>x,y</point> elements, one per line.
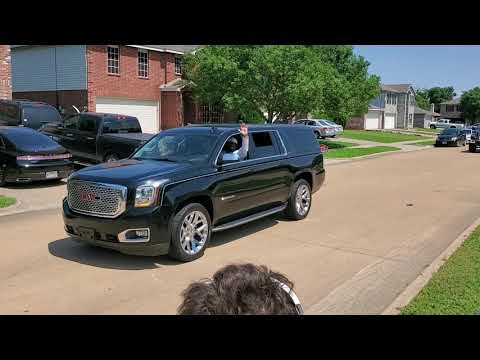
<point>302,200</point>
<point>194,232</point>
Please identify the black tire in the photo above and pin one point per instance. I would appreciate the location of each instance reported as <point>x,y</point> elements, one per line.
<point>176,251</point>
<point>2,176</point>
<point>317,134</point>
<point>433,127</point>
<point>291,211</point>
<point>472,148</point>
<point>111,157</point>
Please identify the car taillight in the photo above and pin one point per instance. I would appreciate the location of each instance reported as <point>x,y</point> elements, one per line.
<point>43,157</point>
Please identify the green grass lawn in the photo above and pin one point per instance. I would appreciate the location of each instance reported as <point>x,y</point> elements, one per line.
<point>380,136</point>
<point>423,143</point>
<point>355,152</point>
<point>455,288</point>
<point>6,201</point>
<point>336,144</point>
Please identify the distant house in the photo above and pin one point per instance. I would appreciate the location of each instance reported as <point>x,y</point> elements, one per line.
<point>422,118</point>
<point>393,108</point>
<point>5,73</point>
<point>144,81</point>
<point>452,110</point>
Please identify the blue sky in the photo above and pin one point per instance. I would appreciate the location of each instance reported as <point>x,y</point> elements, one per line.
<point>425,66</point>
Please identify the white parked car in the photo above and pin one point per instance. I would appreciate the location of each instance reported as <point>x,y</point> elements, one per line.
<point>338,128</point>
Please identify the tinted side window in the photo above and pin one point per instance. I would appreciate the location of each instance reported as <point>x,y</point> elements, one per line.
<point>9,114</point>
<point>87,123</point>
<point>71,123</point>
<point>263,145</point>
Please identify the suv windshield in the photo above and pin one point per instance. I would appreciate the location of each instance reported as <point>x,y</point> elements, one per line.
<point>450,131</point>
<point>193,148</point>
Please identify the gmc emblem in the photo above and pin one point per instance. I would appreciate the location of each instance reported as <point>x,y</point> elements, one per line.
<point>87,197</point>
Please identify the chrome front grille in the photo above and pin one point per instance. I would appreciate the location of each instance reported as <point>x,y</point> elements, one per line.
<point>96,199</point>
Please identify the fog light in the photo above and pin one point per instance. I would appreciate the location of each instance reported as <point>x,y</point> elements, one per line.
<point>141,233</point>
<point>134,236</point>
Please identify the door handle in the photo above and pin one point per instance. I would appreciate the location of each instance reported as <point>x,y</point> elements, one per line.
<point>69,134</point>
<point>90,138</point>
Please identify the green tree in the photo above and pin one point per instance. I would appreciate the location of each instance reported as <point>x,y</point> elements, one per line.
<point>422,99</point>
<point>441,94</point>
<point>470,103</point>
<point>281,81</point>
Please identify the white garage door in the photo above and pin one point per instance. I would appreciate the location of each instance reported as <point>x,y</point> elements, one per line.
<point>372,120</point>
<point>145,111</point>
<point>389,121</point>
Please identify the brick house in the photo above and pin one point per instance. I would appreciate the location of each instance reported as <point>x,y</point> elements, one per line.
<point>5,73</point>
<point>138,80</point>
<point>393,108</point>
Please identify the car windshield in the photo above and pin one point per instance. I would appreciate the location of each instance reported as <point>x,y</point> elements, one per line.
<point>449,131</point>
<point>192,148</point>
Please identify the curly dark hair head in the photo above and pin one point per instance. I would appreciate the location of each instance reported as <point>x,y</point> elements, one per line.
<point>244,289</point>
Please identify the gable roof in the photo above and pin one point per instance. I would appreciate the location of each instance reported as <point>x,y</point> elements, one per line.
<point>422,111</point>
<point>398,88</point>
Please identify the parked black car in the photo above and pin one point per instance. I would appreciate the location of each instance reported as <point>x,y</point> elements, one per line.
<point>97,137</point>
<point>175,191</point>
<point>27,155</point>
<point>451,137</point>
<point>32,114</point>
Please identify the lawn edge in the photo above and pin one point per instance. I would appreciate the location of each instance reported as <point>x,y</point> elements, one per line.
<point>412,290</point>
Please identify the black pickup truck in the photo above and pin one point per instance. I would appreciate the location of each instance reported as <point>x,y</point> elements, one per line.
<point>172,193</point>
<point>97,137</point>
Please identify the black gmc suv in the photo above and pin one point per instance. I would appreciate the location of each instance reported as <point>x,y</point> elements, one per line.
<point>97,137</point>
<point>172,193</point>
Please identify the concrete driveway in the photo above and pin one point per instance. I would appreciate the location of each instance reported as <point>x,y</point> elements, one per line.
<point>34,196</point>
<point>373,227</point>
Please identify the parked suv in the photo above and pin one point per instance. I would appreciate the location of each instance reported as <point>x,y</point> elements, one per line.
<point>97,137</point>
<point>176,190</point>
<point>32,114</point>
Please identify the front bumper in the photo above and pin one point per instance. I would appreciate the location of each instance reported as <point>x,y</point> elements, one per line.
<point>26,174</point>
<point>445,143</point>
<point>105,232</point>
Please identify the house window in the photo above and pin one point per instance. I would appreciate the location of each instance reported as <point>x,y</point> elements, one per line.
<point>394,99</point>
<point>113,56</point>
<point>143,63</point>
<point>178,65</point>
<point>459,108</point>
<point>450,108</point>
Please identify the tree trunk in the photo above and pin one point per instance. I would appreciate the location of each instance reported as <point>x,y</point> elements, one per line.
<point>270,116</point>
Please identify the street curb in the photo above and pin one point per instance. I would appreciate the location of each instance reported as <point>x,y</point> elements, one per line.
<point>419,283</point>
<point>10,209</point>
<point>339,161</point>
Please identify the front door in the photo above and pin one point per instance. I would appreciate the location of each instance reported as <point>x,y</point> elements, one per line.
<point>87,137</point>
<point>258,183</point>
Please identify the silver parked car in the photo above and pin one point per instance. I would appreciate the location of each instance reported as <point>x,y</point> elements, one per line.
<point>320,129</point>
<point>338,128</point>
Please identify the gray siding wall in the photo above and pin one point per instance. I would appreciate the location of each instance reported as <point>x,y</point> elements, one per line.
<point>401,114</point>
<point>49,68</point>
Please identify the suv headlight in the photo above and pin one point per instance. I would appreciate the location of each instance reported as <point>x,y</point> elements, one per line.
<point>454,138</point>
<point>146,195</point>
